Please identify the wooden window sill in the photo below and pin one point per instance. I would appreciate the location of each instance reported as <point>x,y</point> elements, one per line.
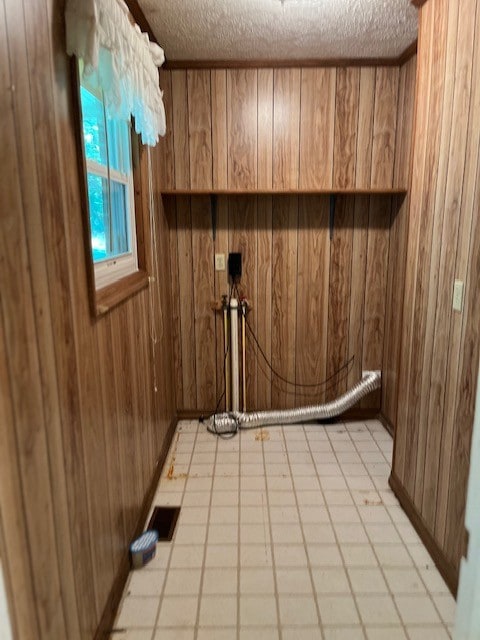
<point>113,294</point>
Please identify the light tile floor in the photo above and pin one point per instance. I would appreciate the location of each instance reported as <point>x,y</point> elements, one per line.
<point>285,533</point>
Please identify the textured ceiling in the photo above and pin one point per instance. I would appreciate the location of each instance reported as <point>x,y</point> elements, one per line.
<point>272,29</point>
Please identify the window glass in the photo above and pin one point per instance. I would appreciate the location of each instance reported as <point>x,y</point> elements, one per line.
<point>108,157</point>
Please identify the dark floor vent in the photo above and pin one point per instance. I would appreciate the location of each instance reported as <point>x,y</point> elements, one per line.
<point>163,521</point>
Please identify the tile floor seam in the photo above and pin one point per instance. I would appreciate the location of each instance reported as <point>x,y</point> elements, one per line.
<point>377,558</point>
<point>335,533</point>
<point>309,566</point>
<point>272,554</point>
<point>205,544</point>
<point>167,569</point>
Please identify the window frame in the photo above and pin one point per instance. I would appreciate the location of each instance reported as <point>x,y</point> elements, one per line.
<point>108,295</point>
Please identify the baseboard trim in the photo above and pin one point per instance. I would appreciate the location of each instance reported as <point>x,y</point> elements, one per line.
<point>448,571</point>
<point>386,423</point>
<point>110,611</point>
<point>351,414</point>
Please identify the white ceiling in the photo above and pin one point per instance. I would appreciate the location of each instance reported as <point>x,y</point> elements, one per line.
<point>276,29</point>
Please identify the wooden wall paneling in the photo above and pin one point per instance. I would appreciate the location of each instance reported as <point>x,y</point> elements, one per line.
<point>265,129</point>
<point>123,389</point>
<point>140,389</point>
<point>34,220</point>
<point>312,281</point>
<point>186,296</point>
<point>384,126</point>
<point>169,204</point>
<point>464,268</point>
<point>358,302</point>
<point>13,536</point>
<point>204,292</point>
<point>346,126</point>
<point>200,128</point>
<point>219,128</point>
<point>164,392</point>
<point>366,106</point>
<point>404,439</point>
<point>404,135</point>
<point>339,295</point>
<point>453,197</point>
<point>165,145</point>
<point>286,128</point>
<point>454,540</point>
<point>222,287</point>
<point>263,300</point>
<point>375,289</point>
<point>243,238</point>
<point>242,116</point>
<point>23,358</point>
<point>113,450</point>
<point>394,308</point>
<point>438,132</point>
<point>284,297</point>
<point>181,143</point>
<point>317,124</point>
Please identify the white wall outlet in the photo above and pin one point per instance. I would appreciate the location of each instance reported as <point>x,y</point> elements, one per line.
<point>219,262</point>
<point>458,295</point>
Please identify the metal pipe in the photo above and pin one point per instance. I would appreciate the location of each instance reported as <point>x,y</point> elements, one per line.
<point>226,355</point>
<point>231,422</point>
<point>234,353</point>
<point>244,359</point>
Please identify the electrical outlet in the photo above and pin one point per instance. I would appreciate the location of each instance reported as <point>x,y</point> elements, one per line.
<point>219,262</point>
<point>458,295</point>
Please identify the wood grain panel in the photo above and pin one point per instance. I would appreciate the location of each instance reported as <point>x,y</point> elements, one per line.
<point>254,226</point>
<point>242,128</point>
<point>200,129</point>
<point>358,300</point>
<point>71,391</point>
<point>181,143</point>
<point>204,292</point>
<point>317,124</point>
<point>222,287</point>
<point>242,238</point>
<point>286,128</point>
<point>263,302</point>
<point>439,363</point>
<point>346,126</point>
<point>166,144</point>
<point>186,295</point>
<point>375,289</point>
<point>366,106</point>
<point>219,129</point>
<point>312,298</point>
<point>384,126</point>
<point>339,296</point>
<point>284,293</point>
<point>265,129</point>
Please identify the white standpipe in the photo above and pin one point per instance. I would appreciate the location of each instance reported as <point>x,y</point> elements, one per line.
<point>234,353</point>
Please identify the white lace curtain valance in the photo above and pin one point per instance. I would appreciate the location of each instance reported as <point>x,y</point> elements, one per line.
<point>121,60</point>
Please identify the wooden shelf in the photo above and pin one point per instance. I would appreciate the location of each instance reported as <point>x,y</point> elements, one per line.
<point>245,192</point>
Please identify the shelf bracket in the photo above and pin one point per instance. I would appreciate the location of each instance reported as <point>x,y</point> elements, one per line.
<point>213,211</point>
<point>331,224</point>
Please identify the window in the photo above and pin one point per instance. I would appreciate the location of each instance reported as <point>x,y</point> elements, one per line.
<point>111,206</point>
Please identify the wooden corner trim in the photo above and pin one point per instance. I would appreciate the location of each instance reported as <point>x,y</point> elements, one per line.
<point>418,3</point>
<point>449,573</point>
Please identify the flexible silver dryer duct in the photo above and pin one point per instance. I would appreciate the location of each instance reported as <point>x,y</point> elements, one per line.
<point>232,421</point>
